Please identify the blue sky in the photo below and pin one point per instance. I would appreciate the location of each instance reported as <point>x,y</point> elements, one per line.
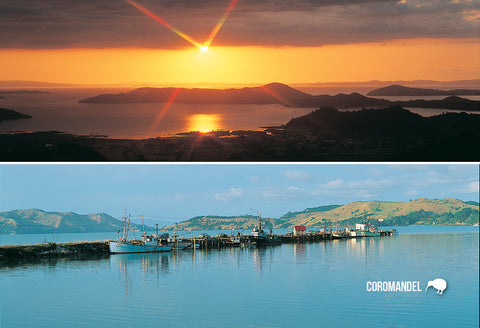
<point>166,193</point>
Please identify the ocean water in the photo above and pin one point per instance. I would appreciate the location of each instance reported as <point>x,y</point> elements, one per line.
<point>59,110</point>
<point>290,285</point>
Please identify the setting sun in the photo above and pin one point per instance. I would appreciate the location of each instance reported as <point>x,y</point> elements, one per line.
<point>204,122</point>
<point>204,48</point>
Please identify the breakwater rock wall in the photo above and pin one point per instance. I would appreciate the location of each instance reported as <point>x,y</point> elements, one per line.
<point>15,252</point>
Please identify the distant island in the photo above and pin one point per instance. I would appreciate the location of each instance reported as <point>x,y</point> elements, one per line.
<point>9,114</point>
<point>326,134</point>
<point>420,211</point>
<point>399,90</point>
<point>22,92</point>
<point>273,93</point>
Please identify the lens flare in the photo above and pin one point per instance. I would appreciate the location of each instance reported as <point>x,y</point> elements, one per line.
<point>276,96</point>
<point>217,27</point>
<point>202,46</point>
<point>164,110</point>
<point>165,23</point>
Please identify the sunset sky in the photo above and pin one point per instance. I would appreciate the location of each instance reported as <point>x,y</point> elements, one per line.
<point>105,41</point>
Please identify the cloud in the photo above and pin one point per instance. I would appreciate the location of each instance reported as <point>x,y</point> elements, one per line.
<point>106,23</point>
<point>411,193</point>
<point>229,194</point>
<point>469,188</point>
<point>361,189</point>
<point>296,175</point>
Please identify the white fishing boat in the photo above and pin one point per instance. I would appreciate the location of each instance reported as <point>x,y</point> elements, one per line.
<point>147,244</point>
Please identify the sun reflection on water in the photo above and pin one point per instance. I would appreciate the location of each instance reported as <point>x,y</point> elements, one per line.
<point>204,122</point>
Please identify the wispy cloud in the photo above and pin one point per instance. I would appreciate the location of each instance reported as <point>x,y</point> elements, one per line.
<point>361,189</point>
<point>469,188</point>
<point>296,175</point>
<point>229,194</point>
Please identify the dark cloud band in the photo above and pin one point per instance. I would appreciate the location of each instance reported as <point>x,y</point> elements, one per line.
<point>107,23</point>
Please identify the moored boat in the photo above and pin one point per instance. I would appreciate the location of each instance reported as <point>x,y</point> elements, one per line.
<point>147,244</point>
<point>259,237</point>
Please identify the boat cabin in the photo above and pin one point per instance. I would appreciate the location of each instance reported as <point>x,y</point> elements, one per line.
<point>361,226</point>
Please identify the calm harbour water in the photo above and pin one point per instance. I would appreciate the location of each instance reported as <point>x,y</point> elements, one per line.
<point>59,110</point>
<point>304,285</point>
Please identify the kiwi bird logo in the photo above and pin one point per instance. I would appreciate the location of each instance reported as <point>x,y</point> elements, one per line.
<point>439,283</point>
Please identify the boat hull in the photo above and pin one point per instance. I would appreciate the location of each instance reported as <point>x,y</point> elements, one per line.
<point>125,248</point>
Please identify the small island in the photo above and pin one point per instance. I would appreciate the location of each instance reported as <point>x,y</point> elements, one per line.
<point>400,90</point>
<point>23,92</point>
<point>9,114</point>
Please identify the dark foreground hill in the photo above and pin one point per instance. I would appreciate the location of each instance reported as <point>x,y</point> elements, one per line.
<point>273,93</point>
<point>326,134</point>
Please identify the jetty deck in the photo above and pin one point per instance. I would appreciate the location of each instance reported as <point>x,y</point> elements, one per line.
<point>90,248</point>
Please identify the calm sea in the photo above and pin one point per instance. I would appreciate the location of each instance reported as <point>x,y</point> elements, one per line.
<point>303,285</point>
<point>59,110</point>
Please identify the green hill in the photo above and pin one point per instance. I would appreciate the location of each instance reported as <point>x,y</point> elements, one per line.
<point>38,221</point>
<point>419,211</point>
<point>212,222</point>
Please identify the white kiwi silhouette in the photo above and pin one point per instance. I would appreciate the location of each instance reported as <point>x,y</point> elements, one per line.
<point>439,283</point>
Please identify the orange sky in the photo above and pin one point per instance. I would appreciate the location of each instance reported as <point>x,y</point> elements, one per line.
<point>409,59</point>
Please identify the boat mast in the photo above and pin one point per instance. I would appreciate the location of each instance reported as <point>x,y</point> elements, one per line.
<point>128,227</point>
<point>259,220</point>
<point>124,232</point>
<point>143,225</point>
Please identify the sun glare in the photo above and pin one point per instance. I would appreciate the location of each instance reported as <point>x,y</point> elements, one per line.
<point>204,48</point>
<point>204,122</point>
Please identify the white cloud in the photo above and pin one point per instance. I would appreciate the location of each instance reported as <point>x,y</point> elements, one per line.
<point>469,188</point>
<point>229,194</point>
<point>296,175</point>
<point>362,189</point>
<point>335,184</point>
<point>411,193</point>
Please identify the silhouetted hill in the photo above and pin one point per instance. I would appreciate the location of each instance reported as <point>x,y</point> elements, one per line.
<point>452,102</point>
<point>38,221</point>
<point>387,122</point>
<point>399,90</point>
<point>8,114</point>
<point>273,93</point>
<point>394,124</point>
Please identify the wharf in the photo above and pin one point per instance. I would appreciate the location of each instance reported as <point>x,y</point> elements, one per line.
<point>224,240</point>
<point>100,248</point>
